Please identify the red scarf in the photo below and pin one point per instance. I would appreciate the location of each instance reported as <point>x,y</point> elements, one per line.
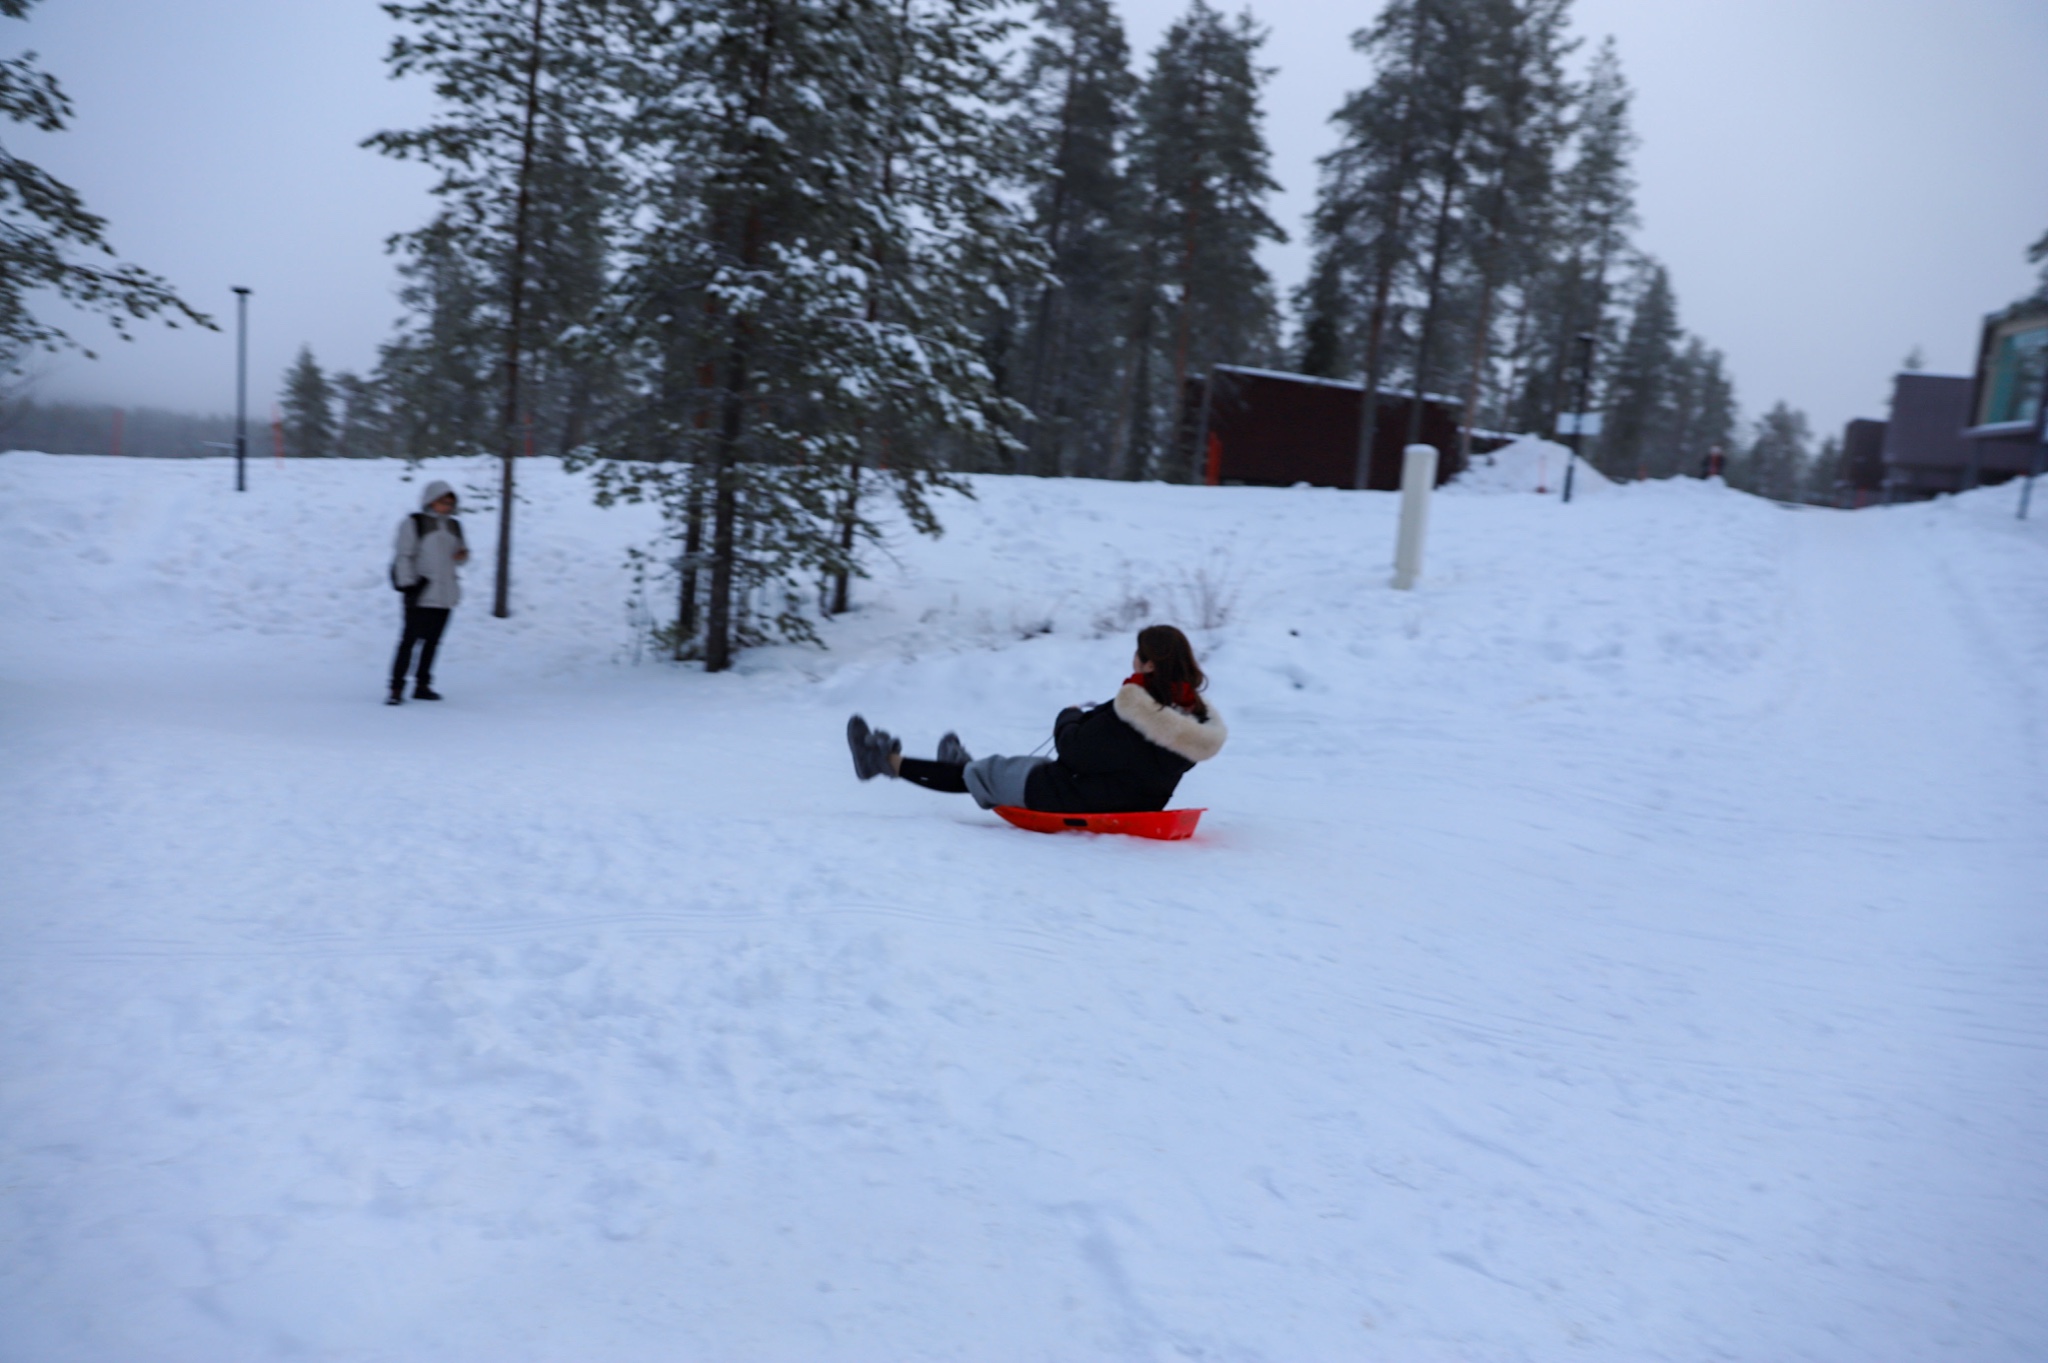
<point>1184,696</point>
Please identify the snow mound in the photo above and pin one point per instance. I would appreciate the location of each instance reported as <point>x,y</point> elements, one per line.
<point>1529,464</point>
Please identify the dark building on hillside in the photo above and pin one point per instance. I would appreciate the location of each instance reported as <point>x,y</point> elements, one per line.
<point>2008,402</point>
<point>1266,428</point>
<point>1951,433</point>
<point>1924,449</point>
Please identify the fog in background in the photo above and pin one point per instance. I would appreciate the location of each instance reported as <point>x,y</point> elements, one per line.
<point>1831,182</point>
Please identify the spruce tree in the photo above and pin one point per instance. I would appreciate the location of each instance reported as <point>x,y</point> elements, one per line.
<point>45,226</point>
<point>802,286</point>
<point>435,379</point>
<point>514,77</point>
<point>1200,161</point>
<point>1825,478</point>
<point>1596,209</point>
<point>1702,413</point>
<point>362,431</point>
<point>1076,92</point>
<point>1638,415</point>
<point>1371,220</point>
<point>1456,82</point>
<point>1522,122</point>
<point>308,407</point>
<point>1774,465</point>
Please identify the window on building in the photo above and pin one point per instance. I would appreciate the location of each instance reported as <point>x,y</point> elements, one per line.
<point>2012,377</point>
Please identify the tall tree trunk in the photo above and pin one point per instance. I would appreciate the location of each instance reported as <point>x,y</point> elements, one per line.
<point>849,516</point>
<point>1041,455</point>
<point>725,506</point>
<point>1482,351</point>
<point>1137,422</point>
<point>1180,339</point>
<point>848,520</point>
<point>1440,245</point>
<point>1369,402</point>
<point>1389,261</point>
<point>1187,299</point>
<point>693,545</point>
<point>1136,378</point>
<point>1482,332</point>
<point>501,597</point>
<point>718,649</point>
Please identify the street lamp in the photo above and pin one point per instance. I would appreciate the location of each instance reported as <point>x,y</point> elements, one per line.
<point>241,389</point>
<point>2040,445</point>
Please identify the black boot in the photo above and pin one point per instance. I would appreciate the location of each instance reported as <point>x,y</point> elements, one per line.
<point>422,691</point>
<point>872,749</point>
<point>397,696</point>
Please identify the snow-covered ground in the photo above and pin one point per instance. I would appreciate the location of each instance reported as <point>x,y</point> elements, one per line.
<point>1632,944</point>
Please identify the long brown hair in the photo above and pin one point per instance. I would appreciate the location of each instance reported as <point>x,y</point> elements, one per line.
<point>1175,676</point>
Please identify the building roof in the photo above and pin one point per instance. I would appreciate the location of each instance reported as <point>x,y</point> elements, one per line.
<point>1356,385</point>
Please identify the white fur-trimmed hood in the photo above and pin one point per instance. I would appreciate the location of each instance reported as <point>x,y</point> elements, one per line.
<point>1177,731</point>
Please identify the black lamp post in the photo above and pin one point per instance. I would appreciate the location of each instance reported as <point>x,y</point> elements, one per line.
<point>1586,343</point>
<point>241,389</point>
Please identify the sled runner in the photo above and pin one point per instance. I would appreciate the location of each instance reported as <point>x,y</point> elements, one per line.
<point>1171,825</point>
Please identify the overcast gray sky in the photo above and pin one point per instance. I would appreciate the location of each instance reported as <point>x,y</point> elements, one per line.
<point>1832,182</point>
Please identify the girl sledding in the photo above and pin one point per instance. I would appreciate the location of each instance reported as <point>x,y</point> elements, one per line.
<point>1118,759</point>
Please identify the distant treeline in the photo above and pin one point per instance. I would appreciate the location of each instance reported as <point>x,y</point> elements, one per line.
<point>97,428</point>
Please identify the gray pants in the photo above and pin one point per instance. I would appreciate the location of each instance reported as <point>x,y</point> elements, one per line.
<point>996,781</point>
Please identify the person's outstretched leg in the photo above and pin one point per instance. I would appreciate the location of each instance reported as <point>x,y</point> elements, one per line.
<point>941,776</point>
<point>877,753</point>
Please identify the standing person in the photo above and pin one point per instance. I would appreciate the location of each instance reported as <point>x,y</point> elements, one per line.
<point>1124,756</point>
<point>429,550</point>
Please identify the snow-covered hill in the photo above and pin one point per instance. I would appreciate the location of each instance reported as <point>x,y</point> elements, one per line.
<point>1629,945</point>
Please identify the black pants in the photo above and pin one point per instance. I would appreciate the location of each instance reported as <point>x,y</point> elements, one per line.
<point>943,776</point>
<point>423,626</point>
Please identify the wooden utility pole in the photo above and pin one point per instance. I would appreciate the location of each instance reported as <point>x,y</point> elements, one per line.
<point>501,600</point>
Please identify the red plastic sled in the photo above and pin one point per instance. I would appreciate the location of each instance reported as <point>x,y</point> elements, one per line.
<point>1170,825</point>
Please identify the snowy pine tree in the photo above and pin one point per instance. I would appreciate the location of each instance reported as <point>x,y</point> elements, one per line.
<point>1596,208</point>
<point>363,429</point>
<point>1702,415</point>
<point>1076,96</point>
<point>1825,479</point>
<point>308,407</point>
<point>1199,158</point>
<point>1364,203</point>
<point>524,92</point>
<point>1640,398</point>
<point>1774,465</point>
<point>436,379</point>
<point>816,218</point>
<point>1522,122</point>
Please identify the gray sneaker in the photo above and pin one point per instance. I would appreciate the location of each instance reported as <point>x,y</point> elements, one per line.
<point>953,752</point>
<point>872,749</point>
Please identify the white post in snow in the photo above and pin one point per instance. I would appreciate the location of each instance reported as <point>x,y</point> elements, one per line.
<point>1418,476</point>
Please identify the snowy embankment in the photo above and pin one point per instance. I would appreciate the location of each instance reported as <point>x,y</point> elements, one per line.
<point>1629,945</point>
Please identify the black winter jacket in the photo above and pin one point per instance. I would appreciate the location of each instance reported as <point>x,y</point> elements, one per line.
<point>1126,755</point>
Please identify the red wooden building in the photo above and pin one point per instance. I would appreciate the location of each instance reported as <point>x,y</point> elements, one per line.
<point>1266,428</point>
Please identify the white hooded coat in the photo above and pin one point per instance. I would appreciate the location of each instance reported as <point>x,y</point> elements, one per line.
<point>430,556</point>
